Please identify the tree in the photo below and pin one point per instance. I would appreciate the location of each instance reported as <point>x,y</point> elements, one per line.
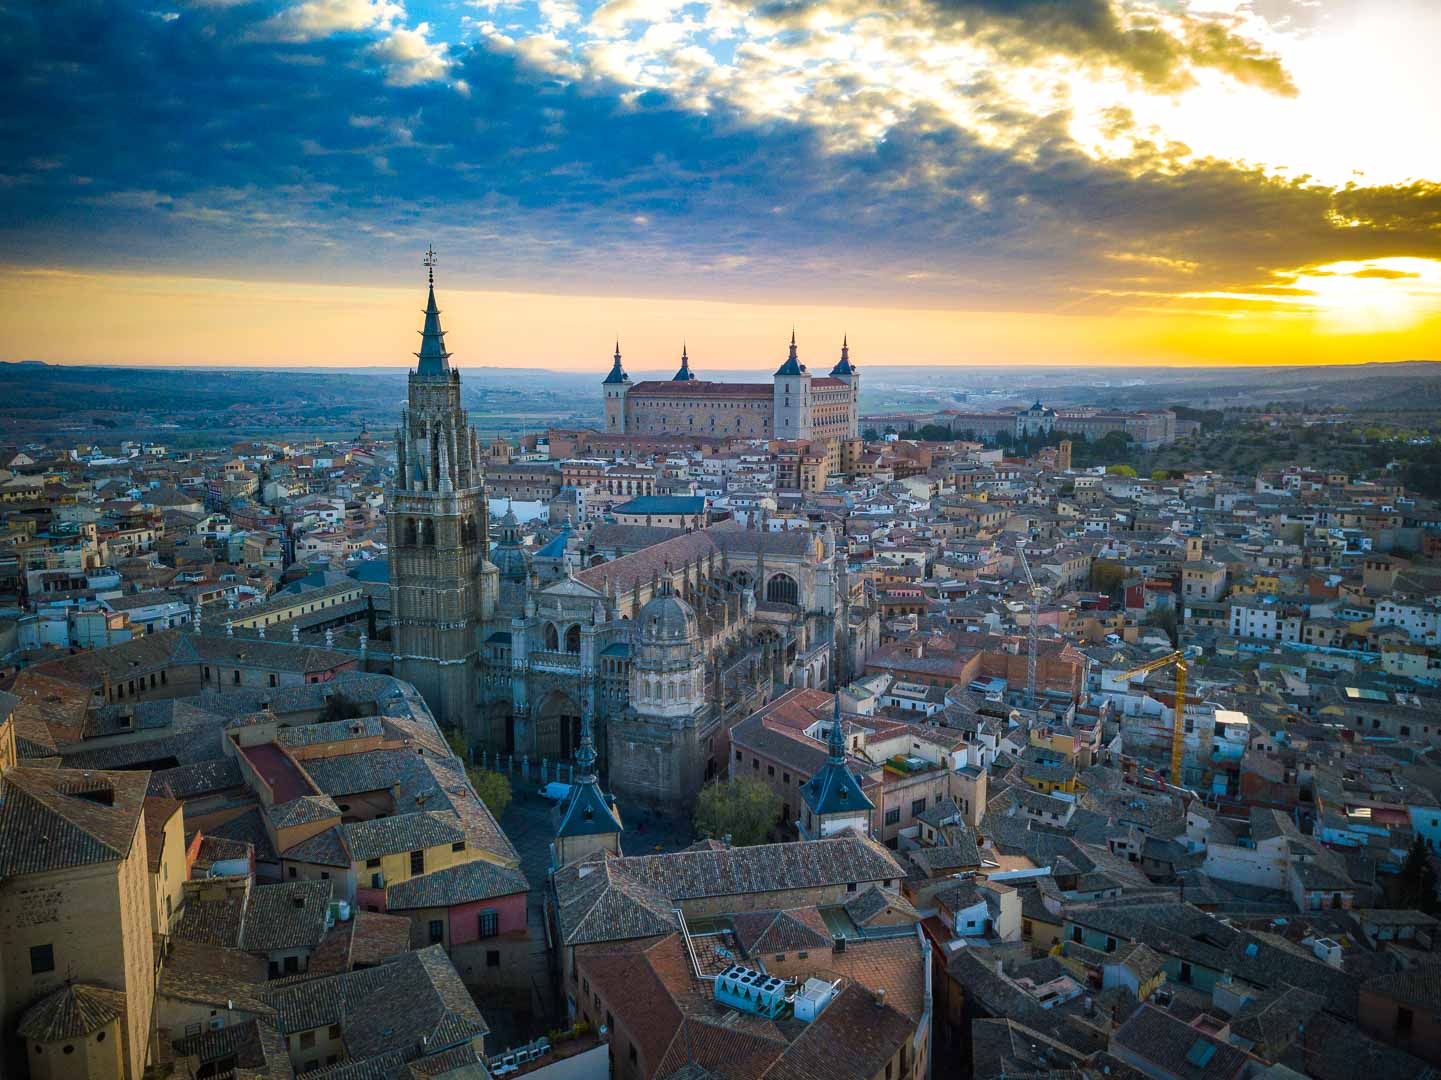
<point>340,707</point>
<point>1163,619</point>
<point>1107,577</point>
<point>745,810</point>
<point>871,435</point>
<point>1416,884</point>
<point>1160,475</point>
<point>1120,470</point>
<point>491,787</point>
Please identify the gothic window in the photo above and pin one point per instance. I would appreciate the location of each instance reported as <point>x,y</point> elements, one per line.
<point>410,535</point>
<point>552,639</point>
<point>782,589</point>
<point>427,533</point>
<point>572,640</point>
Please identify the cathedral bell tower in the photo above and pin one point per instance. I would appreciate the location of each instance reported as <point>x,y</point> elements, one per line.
<point>441,585</point>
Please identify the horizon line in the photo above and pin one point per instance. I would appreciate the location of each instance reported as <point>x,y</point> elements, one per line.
<point>1037,365</point>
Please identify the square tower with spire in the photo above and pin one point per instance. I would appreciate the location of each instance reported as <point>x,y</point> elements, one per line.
<point>442,586</point>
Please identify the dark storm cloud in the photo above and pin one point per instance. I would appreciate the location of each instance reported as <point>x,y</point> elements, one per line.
<point>1160,56</point>
<point>131,139</point>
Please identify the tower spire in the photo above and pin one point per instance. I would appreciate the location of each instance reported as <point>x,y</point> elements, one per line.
<point>433,357</point>
<point>836,741</point>
<point>617,373</point>
<point>684,374</point>
<point>585,754</point>
<point>792,366</point>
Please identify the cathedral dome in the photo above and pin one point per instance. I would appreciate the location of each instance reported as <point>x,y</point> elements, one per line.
<point>510,556</point>
<point>666,620</point>
<point>512,560</point>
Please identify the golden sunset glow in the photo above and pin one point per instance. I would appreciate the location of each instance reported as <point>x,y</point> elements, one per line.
<point>159,320</point>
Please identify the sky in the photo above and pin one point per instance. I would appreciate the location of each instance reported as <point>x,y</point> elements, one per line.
<point>945,181</point>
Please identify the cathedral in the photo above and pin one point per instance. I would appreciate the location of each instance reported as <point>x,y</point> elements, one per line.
<point>655,652</point>
<point>794,405</point>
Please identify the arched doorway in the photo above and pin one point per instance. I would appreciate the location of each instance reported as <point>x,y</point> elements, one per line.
<point>557,727</point>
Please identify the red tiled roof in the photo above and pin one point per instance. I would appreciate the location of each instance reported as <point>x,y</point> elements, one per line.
<point>700,388</point>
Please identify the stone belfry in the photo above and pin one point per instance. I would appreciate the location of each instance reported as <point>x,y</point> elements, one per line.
<point>441,585</point>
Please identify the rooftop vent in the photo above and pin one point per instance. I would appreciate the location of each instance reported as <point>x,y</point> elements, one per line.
<point>813,997</point>
<point>751,991</point>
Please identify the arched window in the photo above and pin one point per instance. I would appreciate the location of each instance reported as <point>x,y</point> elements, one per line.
<point>552,639</point>
<point>782,589</point>
<point>572,640</point>
<point>410,534</point>
<point>427,533</point>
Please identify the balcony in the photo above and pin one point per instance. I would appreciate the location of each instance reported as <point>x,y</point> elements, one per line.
<point>554,661</point>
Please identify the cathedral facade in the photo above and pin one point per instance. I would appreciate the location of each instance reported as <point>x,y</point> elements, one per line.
<point>793,405</point>
<point>656,641</point>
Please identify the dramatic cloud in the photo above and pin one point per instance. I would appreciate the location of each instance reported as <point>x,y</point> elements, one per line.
<point>315,19</point>
<point>966,153</point>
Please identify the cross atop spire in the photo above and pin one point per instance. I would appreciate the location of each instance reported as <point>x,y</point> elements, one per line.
<point>429,262</point>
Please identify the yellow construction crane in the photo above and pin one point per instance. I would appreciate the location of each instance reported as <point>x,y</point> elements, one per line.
<point>1178,726</point>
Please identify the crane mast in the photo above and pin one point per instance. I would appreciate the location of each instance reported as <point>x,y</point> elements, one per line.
<point>1034,628</point>
<point>1178,724</point>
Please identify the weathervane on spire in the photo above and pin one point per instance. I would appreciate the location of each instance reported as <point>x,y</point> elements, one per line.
<point>429,262</point>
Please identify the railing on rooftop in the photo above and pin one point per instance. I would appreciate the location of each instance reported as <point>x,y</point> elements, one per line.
<point>564,660</point>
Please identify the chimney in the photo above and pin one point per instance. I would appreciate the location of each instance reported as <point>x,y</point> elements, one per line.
<point>999,969</point>
<point>880,997</point>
